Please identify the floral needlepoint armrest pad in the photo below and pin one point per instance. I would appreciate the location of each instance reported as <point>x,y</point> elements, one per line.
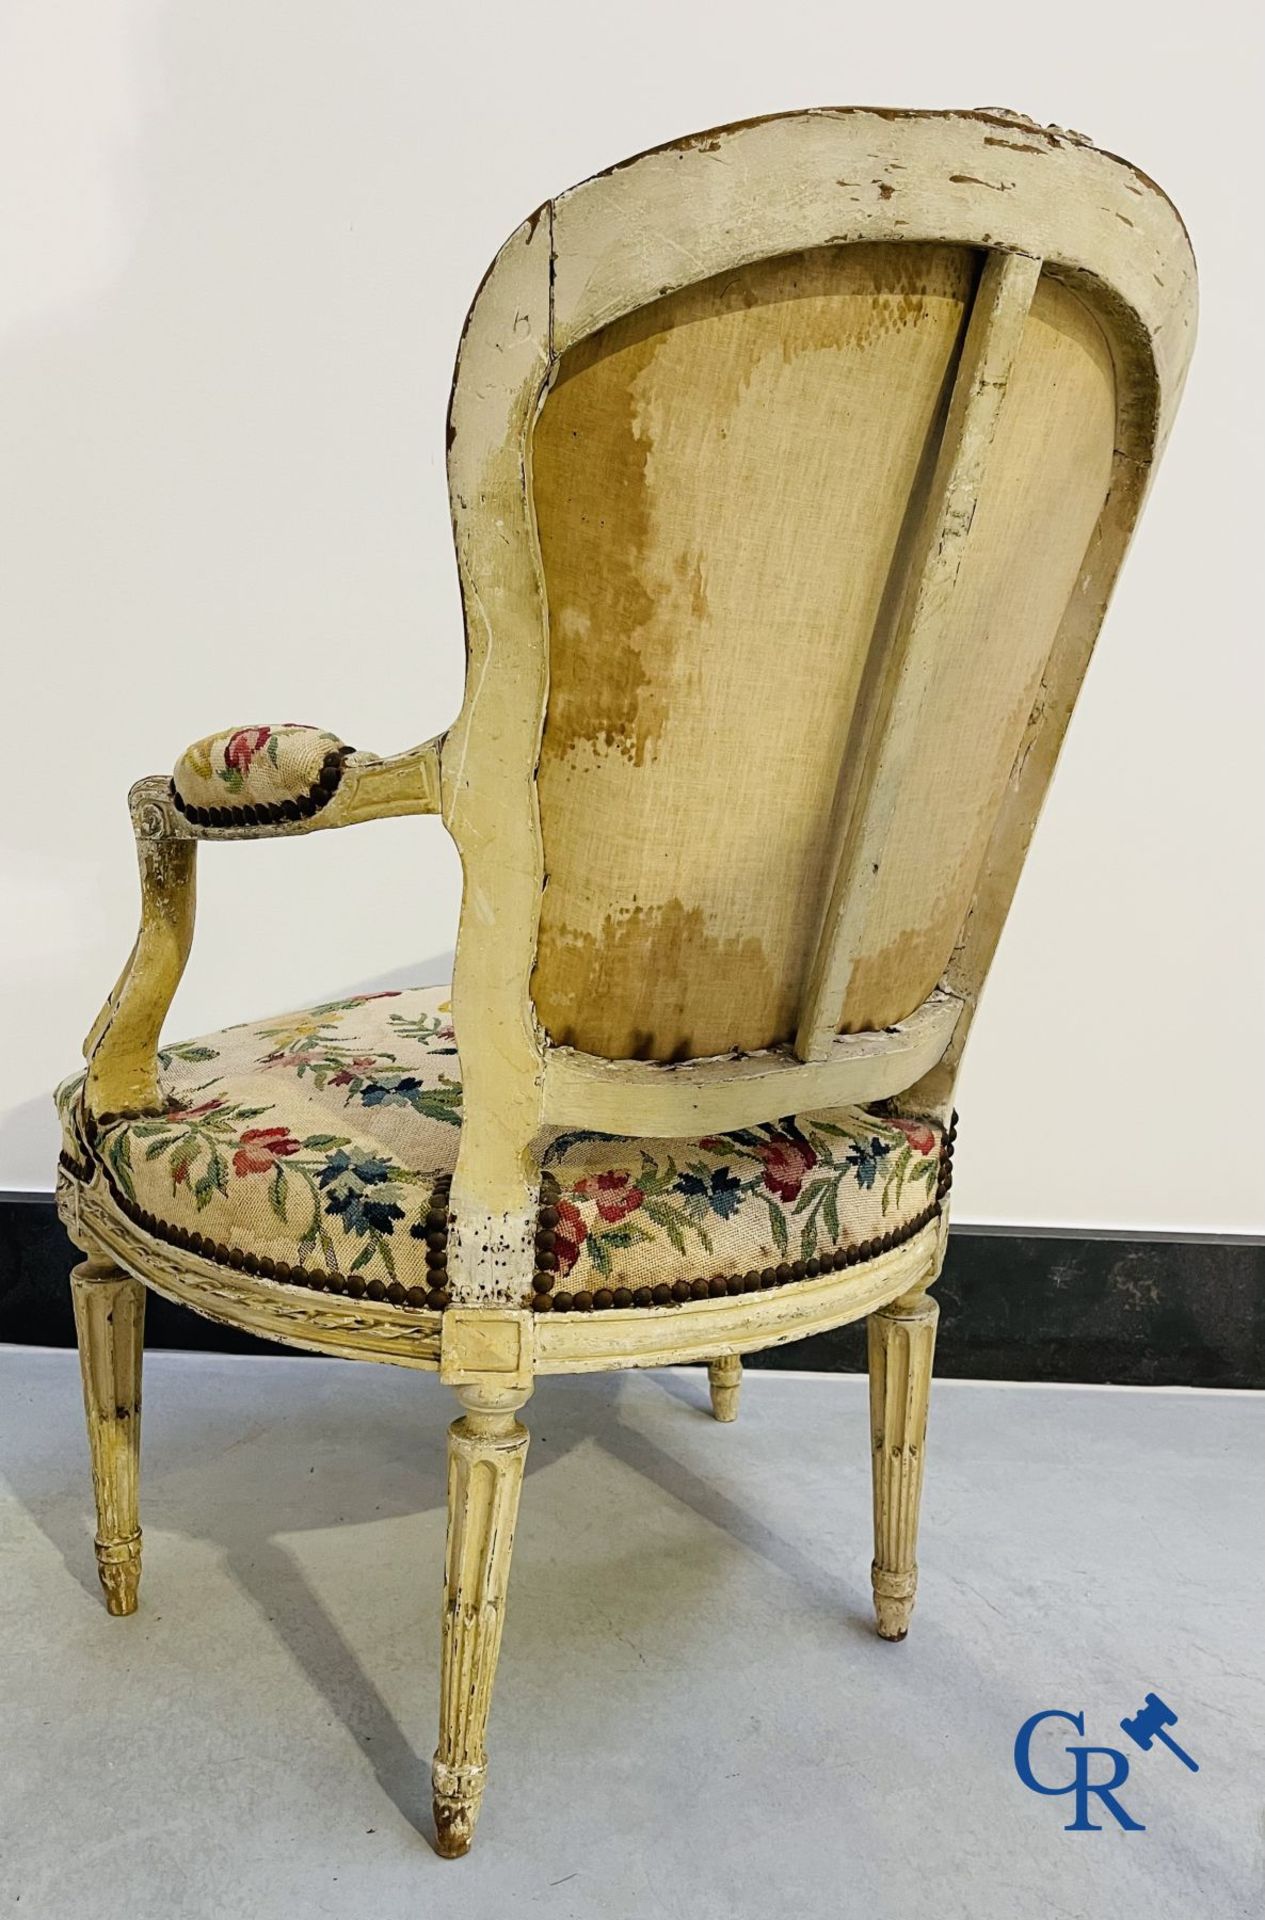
<point>258,776</point>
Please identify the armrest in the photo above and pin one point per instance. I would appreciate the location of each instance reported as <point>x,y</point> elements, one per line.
<point>230,786</point>
<point>252,781</point>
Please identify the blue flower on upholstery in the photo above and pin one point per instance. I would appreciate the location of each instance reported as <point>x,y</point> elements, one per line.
<point>720,1191</point>
<point>348,1186</point>
<point>864,1158</point>
<point>442,1102</point>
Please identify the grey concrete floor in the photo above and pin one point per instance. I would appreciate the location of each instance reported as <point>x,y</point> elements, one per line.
<point>693,1718</point>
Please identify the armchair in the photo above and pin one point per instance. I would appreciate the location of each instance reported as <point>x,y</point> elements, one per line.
<point>791,468</point>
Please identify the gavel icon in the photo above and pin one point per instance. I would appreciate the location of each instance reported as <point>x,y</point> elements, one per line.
<point>1148,1724</point>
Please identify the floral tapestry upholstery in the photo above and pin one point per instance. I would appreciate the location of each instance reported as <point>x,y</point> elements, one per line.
<point>317,1148</point>
<point>251,776</point>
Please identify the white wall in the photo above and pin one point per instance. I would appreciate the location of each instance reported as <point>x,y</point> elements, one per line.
<point>240,237</point>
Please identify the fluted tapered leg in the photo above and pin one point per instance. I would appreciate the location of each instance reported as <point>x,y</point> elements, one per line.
<point>902,1339</point>
<point>724,1376</point>
<point>110,1328</point>
<point>487,1449</point>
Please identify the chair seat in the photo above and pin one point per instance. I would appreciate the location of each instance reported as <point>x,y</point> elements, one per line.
<point>316,1148</point>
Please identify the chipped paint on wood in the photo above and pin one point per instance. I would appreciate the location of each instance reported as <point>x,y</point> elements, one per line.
<point>650,1100</point>
<point>925,635</point>
<point>1054,442</point>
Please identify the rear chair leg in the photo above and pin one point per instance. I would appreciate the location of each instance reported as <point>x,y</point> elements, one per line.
<point>902,1339</point>
<point>487,1449</point>
<point>110,1328</point>
<point>725,1378</point>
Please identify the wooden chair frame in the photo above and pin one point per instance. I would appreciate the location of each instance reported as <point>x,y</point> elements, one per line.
<point>1032,201</point>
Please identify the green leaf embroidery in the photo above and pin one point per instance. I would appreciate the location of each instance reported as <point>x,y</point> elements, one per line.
<point>598,1254</point>
<point>664,1217</point>
<point>187,1051</point>
<point>627,1234</point>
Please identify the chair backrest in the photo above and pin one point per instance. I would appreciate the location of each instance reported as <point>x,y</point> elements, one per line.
<point>791,469</point>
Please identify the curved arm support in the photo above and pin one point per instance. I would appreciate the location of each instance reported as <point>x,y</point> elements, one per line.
<point>122,1048</point>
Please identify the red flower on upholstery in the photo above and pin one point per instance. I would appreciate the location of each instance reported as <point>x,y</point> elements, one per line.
<point>920,1136</point>
<point>243,746</point>
<point>259,1149</point>
<point>787,1164</point>
<point>176,1112</point>
<point>293,1057</point>
<point>569,1235</point>
<point>354,1070</point>
<point>615,1194</point>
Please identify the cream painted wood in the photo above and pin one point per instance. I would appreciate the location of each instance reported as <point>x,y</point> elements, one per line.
<point>831,176</point>
<point>487,1450</point>
<point>724,1377</point>
<point>902,1340</point>
<point>1117,289</point>
<point>485,1347</point>
<point>110,1329</point>
<point>1055,440</point>
<point>489,764</point>
<point>655,1101</point>
<point>122,1048</point>
<point>923,630</point>
<point>384,789</point>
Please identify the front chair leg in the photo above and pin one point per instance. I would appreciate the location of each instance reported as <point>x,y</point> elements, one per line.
<point>902,1339</point>
<point>110,1327</point>
<point>487,1449</point>
<point>724,1376</point>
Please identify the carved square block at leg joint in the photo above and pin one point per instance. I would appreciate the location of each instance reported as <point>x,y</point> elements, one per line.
<point>487,1345</point>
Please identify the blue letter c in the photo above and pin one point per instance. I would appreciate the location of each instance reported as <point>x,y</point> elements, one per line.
<point>1023,1747</point>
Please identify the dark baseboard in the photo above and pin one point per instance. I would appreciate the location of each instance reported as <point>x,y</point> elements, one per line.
<point>1098,1310</point>
<point>1162,1311</point>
